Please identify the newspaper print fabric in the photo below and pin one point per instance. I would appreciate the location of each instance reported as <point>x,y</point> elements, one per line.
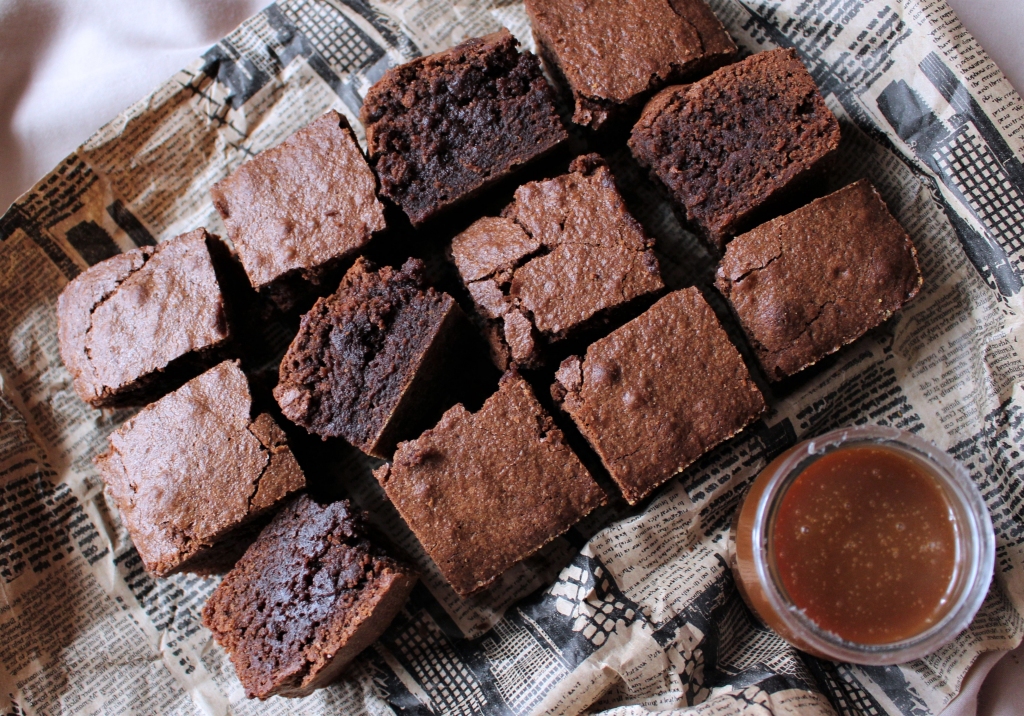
<point>633,611</point>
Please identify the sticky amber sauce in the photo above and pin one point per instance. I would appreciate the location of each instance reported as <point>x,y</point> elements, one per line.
<point>865,543</point>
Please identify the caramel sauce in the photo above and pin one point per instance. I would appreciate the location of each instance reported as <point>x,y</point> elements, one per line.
<point>865,544</point>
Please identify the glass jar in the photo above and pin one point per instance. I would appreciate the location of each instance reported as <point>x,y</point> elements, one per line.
<point>756,532</point>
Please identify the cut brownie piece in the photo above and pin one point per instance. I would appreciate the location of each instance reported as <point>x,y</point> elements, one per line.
<point>614,54</point>
<point>485,490</point>
<point>297,210</point>
<point>442,128</point>
<point>561,257</point>
<point>192,470</point>
<point>143,322</point>
<point>368,360</point>
<point>658,393</point>
<point>733,146</point>
<point>807,283</point>
<point>309,594</point>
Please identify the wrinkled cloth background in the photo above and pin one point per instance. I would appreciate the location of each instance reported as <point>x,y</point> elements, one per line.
<point>67,67</point>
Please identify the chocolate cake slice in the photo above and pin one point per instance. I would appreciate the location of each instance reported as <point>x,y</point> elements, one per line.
<point>442,128</point>
<point>368,362</point>
<point>731,148</point>
<point>307,597</point>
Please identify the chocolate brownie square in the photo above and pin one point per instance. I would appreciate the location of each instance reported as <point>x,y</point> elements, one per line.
<point>368,361</point>
<point>191,472</point>
<point>658,393</point>
<point>442,128</point>
<point>307,597</point>
<point>734,146</point>
<point>562,257</point>
<point>297,210</point>
<point>143,322</point>
<point>485,490</point>
<point>807,283</point>
<point>613,55</point>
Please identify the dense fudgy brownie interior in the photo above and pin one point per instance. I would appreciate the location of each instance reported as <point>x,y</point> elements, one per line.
<point>367,359</point>
<point>730,146</point>
<point>309,595</point>
<point>485,490</point>
<point>143,322</point>
<point>441,128</point>
<point>807,283</point>
<point>562,256</point>
<point>192,469</point>
<point>659,392</point>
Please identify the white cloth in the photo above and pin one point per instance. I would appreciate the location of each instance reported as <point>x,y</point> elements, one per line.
<point>69,66</point>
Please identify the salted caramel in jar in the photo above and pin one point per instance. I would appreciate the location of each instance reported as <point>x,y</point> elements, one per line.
<point>866,545</point>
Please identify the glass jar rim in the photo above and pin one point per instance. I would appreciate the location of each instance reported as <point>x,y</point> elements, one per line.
<point>977,534</point>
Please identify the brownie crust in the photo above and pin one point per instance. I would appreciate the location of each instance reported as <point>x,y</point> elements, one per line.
<point>301,207</point>
<point>733,146</point>
<point>669,41</point>
<point>658,393</point>
<point>483,491</point>
<point>807,283</point>
<point>306,598</point>
<point>143,321</point>
<point>440,129</point>
<point>368,359</point>
<point>193,469</point>
<point>563,256</point>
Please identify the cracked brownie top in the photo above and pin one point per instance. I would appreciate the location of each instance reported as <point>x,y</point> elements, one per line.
<point>485,490</point>
<point>124,321</point>
<point>808,283</point>
<point>656,394</point>
<point>564,254</point>
<point>189,470</point>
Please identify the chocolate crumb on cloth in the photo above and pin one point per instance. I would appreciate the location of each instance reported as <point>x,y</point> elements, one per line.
<point>614,54</point>
<point>297,210</point>
<point>192,471</point>
<point>659,392</point>
<point>141,323</point>
<point>368,362</point>
<point>807,283</point>
<point>442,128</point>
<point>483,491</point>
<point>560,258</point>
<point>739,143</point>
<point>307,597</point>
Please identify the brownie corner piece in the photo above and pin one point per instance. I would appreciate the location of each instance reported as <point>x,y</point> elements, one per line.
<point>192,471</point>
<point>439,128</point>
<point>368,362</point>
<point>564,256</point>
<point>306,598</point>
<point>734,146</point>
<point>805,284</point>
<point>142,322</point>
<point>669,41</point>
<point>483,491</point>
<point>659,392</point>
<point>296,210</point>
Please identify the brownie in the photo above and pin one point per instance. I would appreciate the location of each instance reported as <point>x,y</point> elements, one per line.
<point>307,597</point>
<point>192,470</point>
<point>613,55</point>
<point>485,490</point>
<point>296,211</point>
<point>441,128</point>
<point>564,255</point>
<point>807,283</point>
<point>737,144</point>
<point>141,323</point>
<point>368,361</point>
<point>658,393</point>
